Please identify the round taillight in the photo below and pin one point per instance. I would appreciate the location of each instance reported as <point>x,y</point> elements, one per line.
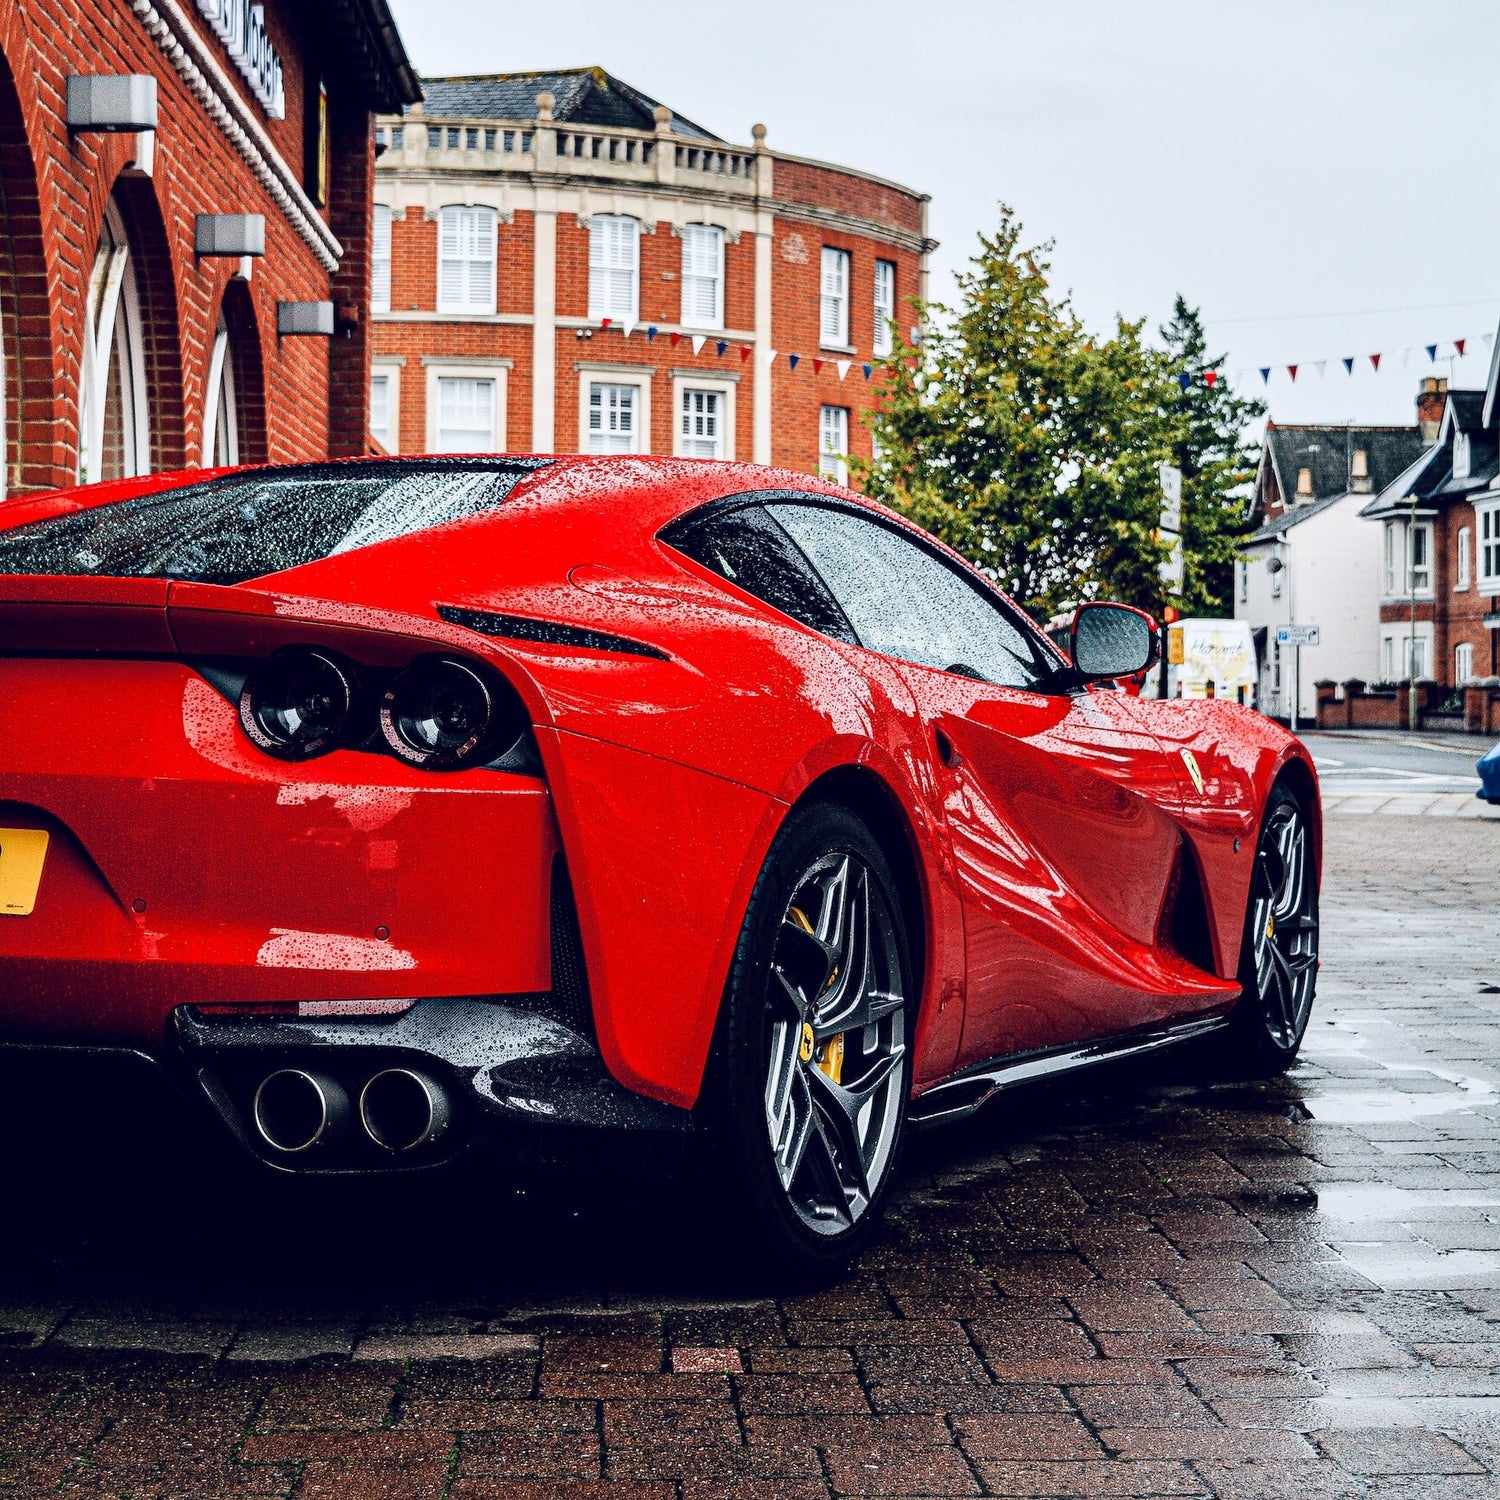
<point>442,714</point>
<point>298,704</point>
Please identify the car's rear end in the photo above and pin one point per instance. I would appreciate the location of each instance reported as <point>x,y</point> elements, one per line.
<point>300,855</point>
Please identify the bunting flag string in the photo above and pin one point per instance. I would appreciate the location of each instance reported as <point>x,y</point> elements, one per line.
<point>1459,349</point>
<point>1456,349</point>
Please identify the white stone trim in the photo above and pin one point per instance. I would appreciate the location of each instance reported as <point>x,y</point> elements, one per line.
<point>590,371</point>
<point>497,370</point>
<point>544,329</point>
<point>211,86</point>
<point>390,365</point>
<point>690,380</point>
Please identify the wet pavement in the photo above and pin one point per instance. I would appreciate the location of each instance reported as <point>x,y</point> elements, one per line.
<point>1148,1284</point>
<point>1395,773</point>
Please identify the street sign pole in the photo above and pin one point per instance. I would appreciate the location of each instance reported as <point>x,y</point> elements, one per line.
<point>1297,636</point>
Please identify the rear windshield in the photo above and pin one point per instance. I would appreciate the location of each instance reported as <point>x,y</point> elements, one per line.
<point>250,524</point>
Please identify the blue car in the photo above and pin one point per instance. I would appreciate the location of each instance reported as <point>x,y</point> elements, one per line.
<point>1489,776</point>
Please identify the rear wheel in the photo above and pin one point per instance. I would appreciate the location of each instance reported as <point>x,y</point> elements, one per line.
<point>1279,954</point>
<point>815,1064</point>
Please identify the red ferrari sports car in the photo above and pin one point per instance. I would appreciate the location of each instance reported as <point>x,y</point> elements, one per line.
<point>385,807</point>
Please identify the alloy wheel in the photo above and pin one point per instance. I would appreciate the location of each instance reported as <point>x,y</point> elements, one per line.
<point>837,1067</point>
<point>1284,925</point>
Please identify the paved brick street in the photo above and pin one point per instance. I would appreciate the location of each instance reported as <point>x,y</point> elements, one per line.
<point>1146,1287</point>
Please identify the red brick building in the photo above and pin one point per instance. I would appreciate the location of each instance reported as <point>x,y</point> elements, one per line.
<point>565,265</point>
<point>1440,524</point>
<point>185,197</point>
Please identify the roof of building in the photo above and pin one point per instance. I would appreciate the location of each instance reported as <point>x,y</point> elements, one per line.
<point>1467,409</point>
<point>583,96</point>
<point>1327,453</point>
<point>1293,517</point>
<point>1430,477</point>
<point>363,36</point>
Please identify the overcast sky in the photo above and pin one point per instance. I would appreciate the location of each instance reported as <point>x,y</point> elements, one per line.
<point>1315,174</point>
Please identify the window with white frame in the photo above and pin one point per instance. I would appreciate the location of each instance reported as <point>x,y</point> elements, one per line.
<point>614,418</point>
<point>380,260</point>
<point>702,276</point>
<point>701,430</point>
<point>466,260</point>
<point>833,325</point>
<point>1489,546</point>
<point>1419,564</point>
<point>885,304</point>
<point>466,409</point>
<point>833,444</point>
<point>1461,571</point>
<point>380,409</point>
<point>614,268</point>
<point>1408,558</point>
<point>1403,656</point>
<point>1463,663</point>
<point>1461,455</point>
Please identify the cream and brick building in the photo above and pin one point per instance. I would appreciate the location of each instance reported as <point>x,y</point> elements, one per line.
<point>562,264</point>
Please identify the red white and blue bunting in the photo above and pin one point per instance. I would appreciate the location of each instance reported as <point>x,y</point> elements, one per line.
<point>1387,358</point>
<point>721,347</point>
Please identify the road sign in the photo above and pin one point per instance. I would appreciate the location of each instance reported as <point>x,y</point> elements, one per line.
<point>1298,635</point>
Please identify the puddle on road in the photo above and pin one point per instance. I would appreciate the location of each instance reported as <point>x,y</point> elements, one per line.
<point>1340,1106</point>
<point>1353,1202</point>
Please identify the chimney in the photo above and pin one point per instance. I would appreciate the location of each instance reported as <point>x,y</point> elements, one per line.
<point>1360,482</point>
<point>1432,397</point>
<point>1304,486</point>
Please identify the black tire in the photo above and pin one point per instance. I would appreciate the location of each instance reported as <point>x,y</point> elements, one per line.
<point>1279,951</point>
<point>802,1187</point>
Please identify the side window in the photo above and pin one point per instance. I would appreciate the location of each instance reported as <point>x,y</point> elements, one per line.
<point>749,549</point>
<point>904,602</point>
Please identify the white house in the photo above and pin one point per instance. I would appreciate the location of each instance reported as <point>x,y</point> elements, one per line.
<point>1312,561</point>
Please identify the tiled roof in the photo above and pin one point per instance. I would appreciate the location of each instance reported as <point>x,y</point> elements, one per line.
<point>1328,453</point>
<point>584,96</point>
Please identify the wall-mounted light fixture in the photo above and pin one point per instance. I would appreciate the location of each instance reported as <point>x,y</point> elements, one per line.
<point>232,235</point>
<point>112,102</point>
<point>304,319</point>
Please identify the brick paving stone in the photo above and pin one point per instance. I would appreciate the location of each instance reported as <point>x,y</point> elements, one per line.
<point>1056,1481</point>
<point>1146,1283</point>
<point>1030,1437</point>
<point>1406,1451</point>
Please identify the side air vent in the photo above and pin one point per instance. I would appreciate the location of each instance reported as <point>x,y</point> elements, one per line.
<point>546,632</point>
<point>1185,917</point>
<point>571,1002</point>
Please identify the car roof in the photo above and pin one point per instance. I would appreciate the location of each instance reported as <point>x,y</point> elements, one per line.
<point>649,489</point>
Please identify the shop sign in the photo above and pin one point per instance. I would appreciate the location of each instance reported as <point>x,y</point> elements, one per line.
<point>241,26</point>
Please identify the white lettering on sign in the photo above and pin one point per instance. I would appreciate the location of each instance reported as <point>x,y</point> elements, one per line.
<point>1298,635</point>
<point>241,26</point>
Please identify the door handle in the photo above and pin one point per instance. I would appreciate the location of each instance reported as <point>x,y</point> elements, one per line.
<point>947,750</point>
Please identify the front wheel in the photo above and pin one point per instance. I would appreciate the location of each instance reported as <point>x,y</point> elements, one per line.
<point>815,1053</point>
<point>1279,953</point>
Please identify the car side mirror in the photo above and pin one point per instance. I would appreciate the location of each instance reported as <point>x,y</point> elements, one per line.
<point>1112,640</point>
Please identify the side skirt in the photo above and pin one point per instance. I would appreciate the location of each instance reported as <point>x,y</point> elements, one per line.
<point>968,1091</point>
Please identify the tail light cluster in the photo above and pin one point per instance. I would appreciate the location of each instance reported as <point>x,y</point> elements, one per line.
<point>440,713</point>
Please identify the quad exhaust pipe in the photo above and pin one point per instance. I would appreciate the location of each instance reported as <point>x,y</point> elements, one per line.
<point>295,1110</point>
<point>400,1109</point>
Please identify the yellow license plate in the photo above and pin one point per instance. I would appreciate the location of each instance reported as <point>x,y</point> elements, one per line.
<point>23,851</point>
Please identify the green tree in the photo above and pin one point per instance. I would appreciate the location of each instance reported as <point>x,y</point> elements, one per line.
<point>1029,446</point>
<point>1217,463</point>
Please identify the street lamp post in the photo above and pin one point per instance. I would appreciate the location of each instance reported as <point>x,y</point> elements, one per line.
<point>1411,637</point>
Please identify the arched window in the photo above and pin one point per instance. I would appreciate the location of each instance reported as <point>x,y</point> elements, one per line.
<point>221,416</point>
<point>114,426</point>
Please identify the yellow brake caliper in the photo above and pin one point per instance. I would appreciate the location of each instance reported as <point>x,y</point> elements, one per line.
<point>830,1056</point>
